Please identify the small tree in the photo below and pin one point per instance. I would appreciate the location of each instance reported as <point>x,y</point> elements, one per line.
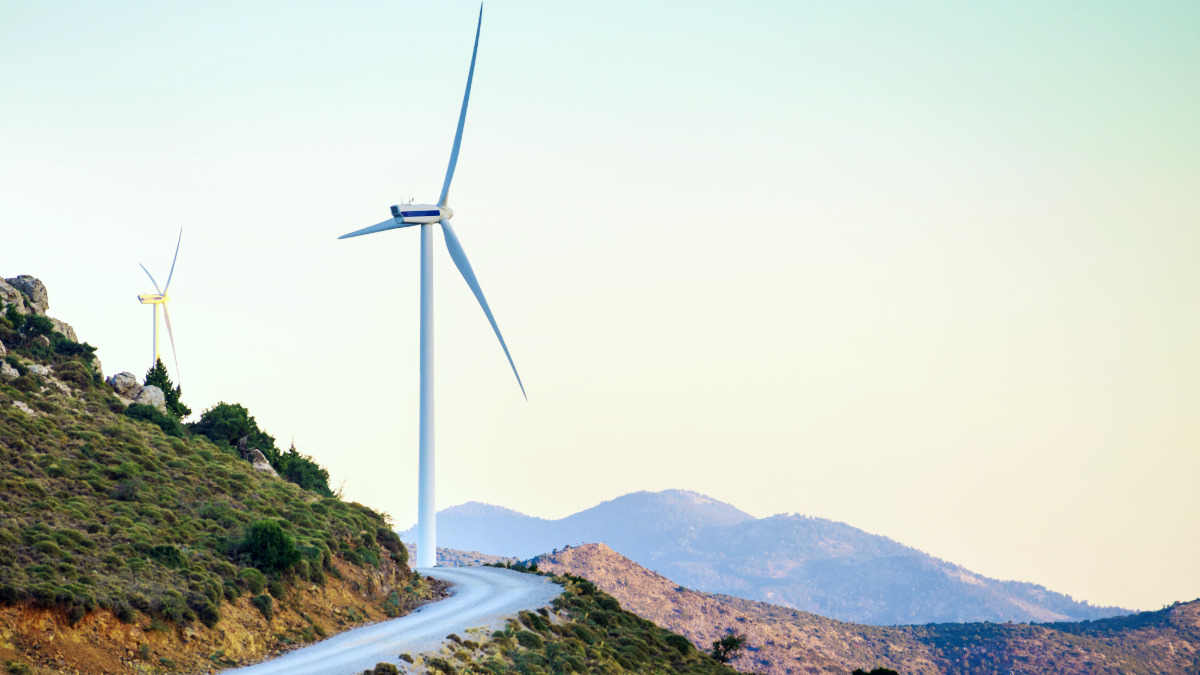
<point>158,377</point>
<point>302,470</point>
<point>727,648</point>
<point>225,423</point>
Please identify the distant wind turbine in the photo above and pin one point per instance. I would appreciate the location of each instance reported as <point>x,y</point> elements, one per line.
<point>426,215</point>
<point>161,298</point>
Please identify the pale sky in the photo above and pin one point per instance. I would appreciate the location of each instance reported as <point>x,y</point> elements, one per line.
<point>925,268</point>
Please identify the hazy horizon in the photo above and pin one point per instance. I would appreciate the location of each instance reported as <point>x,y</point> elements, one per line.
<point>926,269</point>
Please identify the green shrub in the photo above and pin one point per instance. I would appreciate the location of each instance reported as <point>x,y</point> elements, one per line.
<point>367,556</point>
<point>253,579</point>
<point>529,639</point>
<point>225,423</point>
<point>680,643</point>
<point>385,669</point>
<point>48,547</point>
<point>148,413</point>
<point>265,604</point>
<point>208,614</point>
<point>438,664</point>
<point>73,372</point>
<point>168,556</point>
<point>268,546</point>
<point>123,612</point>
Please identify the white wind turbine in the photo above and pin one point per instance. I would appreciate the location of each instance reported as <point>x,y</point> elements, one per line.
<point>426,215</point>
<point>161,298</point>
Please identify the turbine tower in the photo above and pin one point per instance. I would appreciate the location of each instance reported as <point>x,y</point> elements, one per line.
<point>161,298</point>
<point>426,215</point>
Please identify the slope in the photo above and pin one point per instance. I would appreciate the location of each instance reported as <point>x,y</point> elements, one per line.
<point>783,640</point>
<point>126,549</point>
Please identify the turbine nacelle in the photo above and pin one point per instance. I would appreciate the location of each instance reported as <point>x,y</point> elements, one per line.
<point>153,298</point>
<point>421,213</point>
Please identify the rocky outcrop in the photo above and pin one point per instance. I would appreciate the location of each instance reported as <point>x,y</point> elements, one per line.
<point>11,296</point>
<point>130,391</point>
<point>36,297</point>
<point>255,457</point>
<point>29,296</point>
<point>24,407</point>
<point>7,372</point>
<point>3,351</point>
<point>152,395</point>
<point>64,328</point>
<point>126,385</point>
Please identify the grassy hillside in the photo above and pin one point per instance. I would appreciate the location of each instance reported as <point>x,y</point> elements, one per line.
<point>124,548</point>
<point>585,632</point>
<point>783,641</point>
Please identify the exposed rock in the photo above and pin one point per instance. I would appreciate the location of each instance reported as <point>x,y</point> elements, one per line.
<point>39,369</point>
<point>126,385</point>
<point>152,395</point>
<point>7,372</point>
<point>3,351</point>
<point>64,328</point>
<point>36,296</point>
<point>11,296</point>
<point>42,340</point>
<point>96,368</point>
<point>23,407</point>
<point>255,457</point>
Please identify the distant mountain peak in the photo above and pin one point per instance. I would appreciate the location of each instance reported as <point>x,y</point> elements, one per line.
<point>481,509</point>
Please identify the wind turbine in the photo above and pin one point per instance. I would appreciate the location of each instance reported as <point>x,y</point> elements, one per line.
<point>161,298</point>
<point>426,215</point>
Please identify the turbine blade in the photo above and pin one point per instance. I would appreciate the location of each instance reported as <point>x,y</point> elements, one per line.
<point>171,337</point>
<point>389,224</point>
<point>462,117</point>
<point>172,272</point>
<point>151,278</point>
<point>459,256</point>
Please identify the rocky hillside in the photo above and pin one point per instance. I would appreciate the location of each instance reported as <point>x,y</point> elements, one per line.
<point>782,640</point>
<point>812,564</point>
<point>130,544</point>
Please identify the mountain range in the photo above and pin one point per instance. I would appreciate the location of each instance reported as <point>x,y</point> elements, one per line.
<point>806,563</point>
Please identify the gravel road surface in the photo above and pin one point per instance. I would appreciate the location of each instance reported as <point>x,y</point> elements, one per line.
<point>479,596</point>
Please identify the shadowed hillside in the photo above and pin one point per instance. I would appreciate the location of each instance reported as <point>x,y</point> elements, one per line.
<point>817,565</point>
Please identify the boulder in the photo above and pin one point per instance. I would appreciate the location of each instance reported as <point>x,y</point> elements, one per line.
<point>255,457</point>
<point>152,395</point>
<point>7,372</point>
<point>64,328</point>
<point>126,385</point>
<point>3,351</point>
<point>37,299</point>
<point>11,296</point>
<point>42,340</point>
<point>38,369</point>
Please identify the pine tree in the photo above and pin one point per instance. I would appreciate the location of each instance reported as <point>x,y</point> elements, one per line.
<point>158,377</point>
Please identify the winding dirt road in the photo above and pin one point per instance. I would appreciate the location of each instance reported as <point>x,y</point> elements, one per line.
<point>479,596</point>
